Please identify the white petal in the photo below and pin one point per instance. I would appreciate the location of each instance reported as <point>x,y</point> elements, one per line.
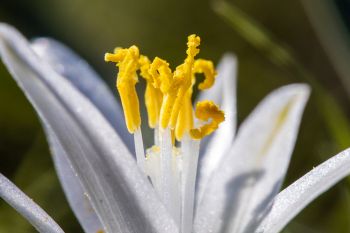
<point>121,196</point>
<point>73,189</point>
<point>240,191</point>
<point>27,207</point>
<point>84,78</point>
<point>294,198</point>
<point>68,64</point>
<point>218,144</point>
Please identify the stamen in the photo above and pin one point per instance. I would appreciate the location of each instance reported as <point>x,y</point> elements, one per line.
<point>185,118</point>
<point>183,74</point>
<point>168,99</point>
<point>166,178</point>
<point>207,68</point>
<point>153,96</point>
<point>206,110</point>
<point>163,79</point>
<point>162,75</point>
<point>179,85</point>
<point>127,61</point>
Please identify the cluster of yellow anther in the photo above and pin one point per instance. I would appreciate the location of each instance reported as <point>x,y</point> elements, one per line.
<point>168,94</point>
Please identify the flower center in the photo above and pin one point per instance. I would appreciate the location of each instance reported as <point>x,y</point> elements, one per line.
<point>168,94</point>
<point>168,99</point>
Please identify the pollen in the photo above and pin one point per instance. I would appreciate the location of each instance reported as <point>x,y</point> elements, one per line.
<point>168,94</point>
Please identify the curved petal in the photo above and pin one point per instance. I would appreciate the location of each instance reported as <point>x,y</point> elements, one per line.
<point>240,191</point>
<point>294,198</point>
<point>68,64</point>
<point>122,197</point>
<point>27,207</point>
<point>72,187</point>
<point>218,144</point>
<point>84,78</point>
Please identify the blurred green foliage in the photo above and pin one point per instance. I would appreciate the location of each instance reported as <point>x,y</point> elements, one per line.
<point>275,45</point>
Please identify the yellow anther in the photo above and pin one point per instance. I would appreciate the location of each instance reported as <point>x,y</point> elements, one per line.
<point>145,63</point>
<point>185,119</point>
<point>128,62</point>
<point>179,85</point>
<point>207,111</point>
<point>117,56</point>
<point>207,68</point>
<point>153,96</point>
<point>192,44</point>
<point>161,73</point>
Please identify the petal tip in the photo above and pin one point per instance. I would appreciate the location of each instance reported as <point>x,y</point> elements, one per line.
<point>229,59</point>
<point>299,90</point>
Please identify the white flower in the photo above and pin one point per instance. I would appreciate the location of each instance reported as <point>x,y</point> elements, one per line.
<point>239,175</point>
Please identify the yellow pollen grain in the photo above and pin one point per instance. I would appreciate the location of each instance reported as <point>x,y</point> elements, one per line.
<point>155,149</point>
<point>206,110</point>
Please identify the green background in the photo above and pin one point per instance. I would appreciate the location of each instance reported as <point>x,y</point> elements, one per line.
<point>276,43</point>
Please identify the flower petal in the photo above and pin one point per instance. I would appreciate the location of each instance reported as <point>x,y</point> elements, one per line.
<point>294,198</point>
<point>122,197</point>
<point>68,64</point>
<point>218,144</point>
<point>84,78</point>
<point>27,207</point>
<point>73,189</point>
<point>240,192</point>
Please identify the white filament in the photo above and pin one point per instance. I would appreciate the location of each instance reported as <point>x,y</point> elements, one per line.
<point>139,149</point>
<point>152,167</point>
<point>190,150</point>
<point>176,174</point>
<point>166,178</point>
<point>156,135</point>
<point>172,172</point>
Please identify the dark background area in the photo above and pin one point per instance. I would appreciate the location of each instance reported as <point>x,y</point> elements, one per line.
<point>276,42</point>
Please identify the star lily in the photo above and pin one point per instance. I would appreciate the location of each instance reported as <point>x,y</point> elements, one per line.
<point>239,175</point>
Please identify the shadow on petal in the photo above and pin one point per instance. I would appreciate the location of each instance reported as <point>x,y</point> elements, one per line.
<point>234,194</point>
